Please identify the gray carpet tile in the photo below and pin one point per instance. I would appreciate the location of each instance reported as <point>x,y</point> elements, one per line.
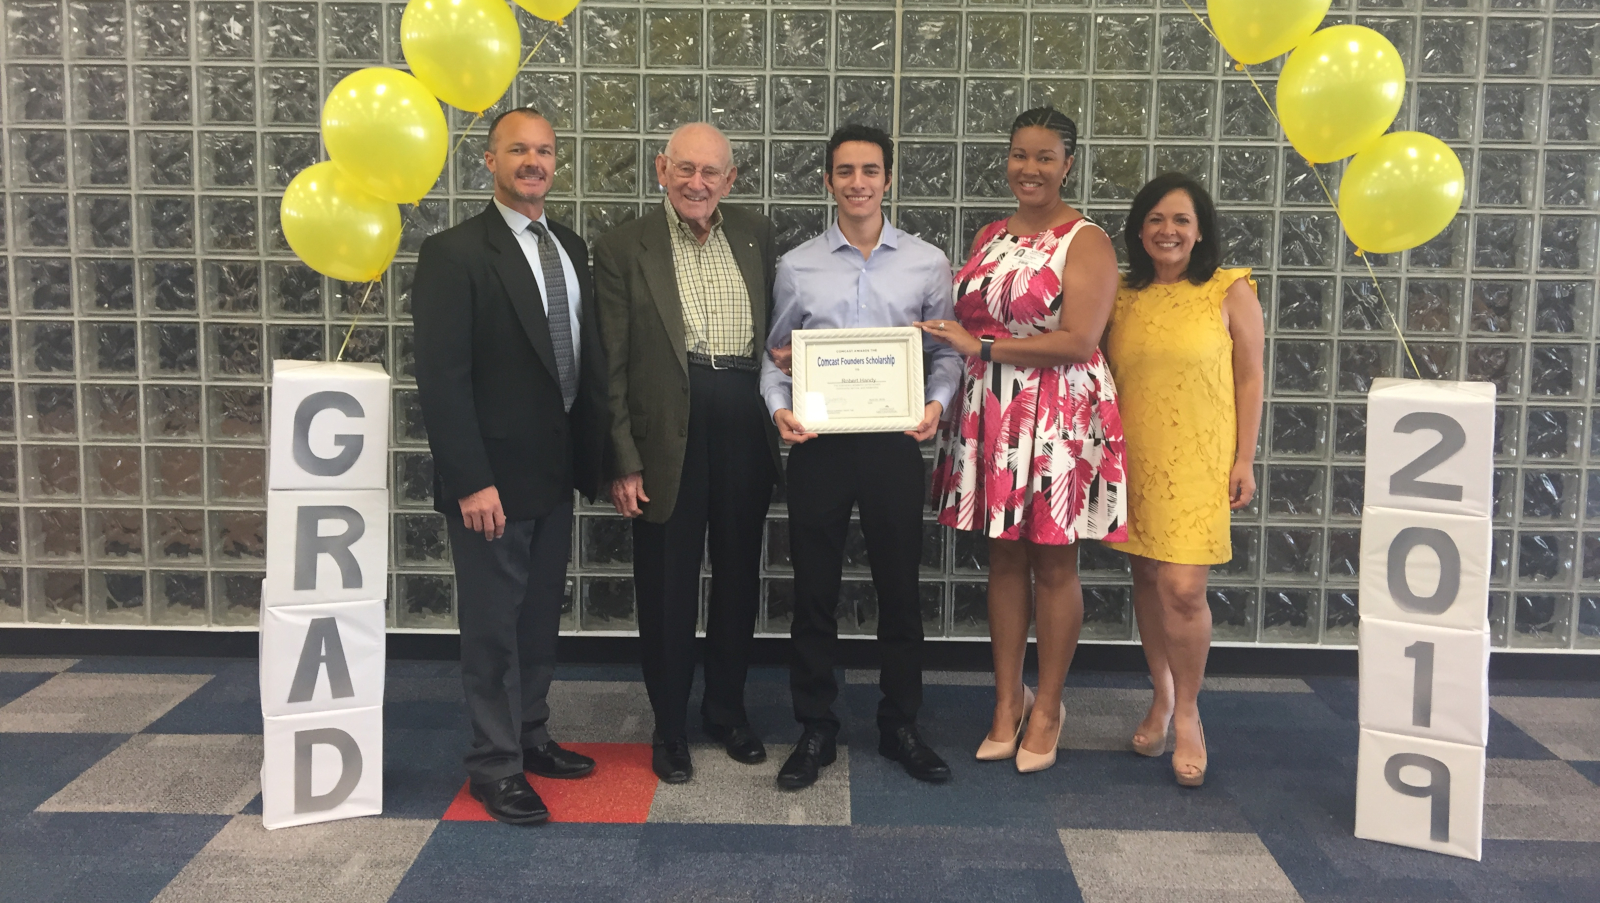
<point>1255,685</point>
<point>1570,728</point>
<point>727,792</point>
<point>359,860</point>
<point>69,857</point>
<point>924,864</point>
<point>599,711</point>
<point>1540,800</point>
<point>1175,867</point>
<point>30,665</point>
<point>197,774</point>
<point>98,703</point>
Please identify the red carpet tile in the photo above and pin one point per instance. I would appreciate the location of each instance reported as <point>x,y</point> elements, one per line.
<point>619,791</point>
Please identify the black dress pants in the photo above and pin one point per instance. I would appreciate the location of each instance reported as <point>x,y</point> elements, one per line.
<point>883,474</point>
<point>723,496</point>
<point>510,593</point>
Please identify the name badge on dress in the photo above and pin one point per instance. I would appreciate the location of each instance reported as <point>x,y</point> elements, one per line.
<point>1030,258</point>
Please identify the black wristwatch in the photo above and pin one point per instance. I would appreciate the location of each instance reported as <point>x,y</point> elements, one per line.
<point>988,346</point>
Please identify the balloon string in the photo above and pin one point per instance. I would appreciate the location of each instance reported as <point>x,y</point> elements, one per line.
<point>360,308</point>
<point>529,58</point>
<point>452,155</point>
<point>1326,192</point>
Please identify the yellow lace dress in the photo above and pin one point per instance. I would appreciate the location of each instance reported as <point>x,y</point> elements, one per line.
<point>1172,361</point>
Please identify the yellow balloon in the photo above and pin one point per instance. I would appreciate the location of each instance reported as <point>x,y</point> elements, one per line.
<point>1339,91</point>
<point>1400,192</point>
<point>336,228</point>
<point>383,128</point>
<point>1254,31</point>
<point>465,51</point>
<point>549,10</point>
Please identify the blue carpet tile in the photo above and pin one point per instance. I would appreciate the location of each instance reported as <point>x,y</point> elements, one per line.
<point>93,792</point>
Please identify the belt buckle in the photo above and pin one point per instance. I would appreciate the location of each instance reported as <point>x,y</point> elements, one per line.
<point>714,364</point>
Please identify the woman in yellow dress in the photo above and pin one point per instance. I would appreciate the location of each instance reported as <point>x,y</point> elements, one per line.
<point>1185,345</point>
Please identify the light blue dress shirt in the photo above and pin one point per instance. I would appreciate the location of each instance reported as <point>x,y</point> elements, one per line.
<point>530,250</point>
<point>827,284</point>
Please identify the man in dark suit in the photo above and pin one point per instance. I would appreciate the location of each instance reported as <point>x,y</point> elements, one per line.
<point>511,376</point>
<point>685,294</point>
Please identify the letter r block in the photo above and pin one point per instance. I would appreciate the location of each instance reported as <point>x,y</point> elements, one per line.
<point>330,426</point>
<point>326,547</point>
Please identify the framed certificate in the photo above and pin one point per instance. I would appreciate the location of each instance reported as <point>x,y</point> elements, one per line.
<point>858,380</point>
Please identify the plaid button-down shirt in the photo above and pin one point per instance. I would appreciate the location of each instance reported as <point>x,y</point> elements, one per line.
<point>716,301</point>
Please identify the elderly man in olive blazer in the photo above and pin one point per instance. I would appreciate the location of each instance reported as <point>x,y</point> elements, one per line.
<point>685,293</point>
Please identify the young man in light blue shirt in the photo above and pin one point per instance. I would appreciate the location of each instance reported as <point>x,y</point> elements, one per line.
<point>861,273</point>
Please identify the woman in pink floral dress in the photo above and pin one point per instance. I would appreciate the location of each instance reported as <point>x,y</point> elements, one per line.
<point>1031,454</point>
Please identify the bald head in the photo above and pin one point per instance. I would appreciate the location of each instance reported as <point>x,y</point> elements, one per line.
<point>697,171</point>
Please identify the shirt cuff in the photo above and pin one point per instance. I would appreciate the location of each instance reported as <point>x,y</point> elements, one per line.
<point>779,398</point>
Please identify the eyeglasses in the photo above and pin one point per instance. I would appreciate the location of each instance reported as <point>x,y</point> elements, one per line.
<point>686,170</point>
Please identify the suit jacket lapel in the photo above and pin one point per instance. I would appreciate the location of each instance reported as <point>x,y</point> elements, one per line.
<point>511,264</point>
<point>749,260</point>
<point>655,259</point>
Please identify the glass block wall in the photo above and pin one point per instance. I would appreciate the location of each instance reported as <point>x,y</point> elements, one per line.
<point>145,284</point>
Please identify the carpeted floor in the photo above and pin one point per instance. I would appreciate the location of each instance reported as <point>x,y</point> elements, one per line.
<point>136,779</point>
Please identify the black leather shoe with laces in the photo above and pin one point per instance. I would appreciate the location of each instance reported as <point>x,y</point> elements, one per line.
<point>816,749</point>
<point>904,745</point>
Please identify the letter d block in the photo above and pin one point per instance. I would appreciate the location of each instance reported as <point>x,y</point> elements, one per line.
<point>322,658</point>
<point>322,767</point>
<point>326,547</point>
<point>330,426</point>
<point>1425,794</point>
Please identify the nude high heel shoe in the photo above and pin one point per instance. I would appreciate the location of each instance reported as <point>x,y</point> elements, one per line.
<point>1151,746</point>
<point>994,750</point>
<point>1189,772</point>
<point>1029,762</point>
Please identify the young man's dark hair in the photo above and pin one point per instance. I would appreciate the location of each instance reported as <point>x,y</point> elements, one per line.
<point>855,132</point>
<point>1207,253</point>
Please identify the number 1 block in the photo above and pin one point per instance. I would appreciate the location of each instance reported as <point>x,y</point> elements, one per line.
<point>1430,682</point>
<point>1419,793</point>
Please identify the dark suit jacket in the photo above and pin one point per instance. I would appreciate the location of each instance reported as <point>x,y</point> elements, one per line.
<point>486,373</point>
<point>641,318</point>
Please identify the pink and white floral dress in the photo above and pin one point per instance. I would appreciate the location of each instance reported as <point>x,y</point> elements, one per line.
<point>1029,453</point>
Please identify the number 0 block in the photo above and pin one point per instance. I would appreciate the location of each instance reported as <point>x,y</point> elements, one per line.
<point>1426,794</point>
<point>1429,682</point>
<point>322,767</point>
<point>330,426</point>
<point>326,547</point>
<point>321,658</point>
<point>1424,568</point>
<point>1430,446</point>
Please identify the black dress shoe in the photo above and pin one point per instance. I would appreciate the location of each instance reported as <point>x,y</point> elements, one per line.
<point>551,761</point>
<point>815,749</point>
<point>511,800</point>
<point>903,745</point>
<point>669,759</point>
<point>740,741</point>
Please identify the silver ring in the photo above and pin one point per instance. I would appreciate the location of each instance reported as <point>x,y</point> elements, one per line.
<point>941,326</point>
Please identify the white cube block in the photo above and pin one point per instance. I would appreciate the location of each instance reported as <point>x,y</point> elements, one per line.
<point>322,767</point>
<point>326,547</point>
<point>1430,682</point>
<point>1430,445</point>
<point>1419,793</point>
<point>330,426</point>
<point>321,658</point>
<point>1425,568</point>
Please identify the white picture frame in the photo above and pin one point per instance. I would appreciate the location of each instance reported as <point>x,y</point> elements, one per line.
<point>887,362</point>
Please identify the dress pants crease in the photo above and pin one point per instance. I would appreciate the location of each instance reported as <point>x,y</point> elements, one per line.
<point>723,496</point>
<point>510,595</point>
<point>883,475</point>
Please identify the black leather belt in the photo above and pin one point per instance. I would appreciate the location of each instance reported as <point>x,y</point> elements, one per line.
<point>725,362</point>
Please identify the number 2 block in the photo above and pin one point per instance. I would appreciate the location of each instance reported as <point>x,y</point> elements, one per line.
<point>1419,793</point>
<point>1424,568</point>
<point>1430,446</point>
<point>1429,682</point>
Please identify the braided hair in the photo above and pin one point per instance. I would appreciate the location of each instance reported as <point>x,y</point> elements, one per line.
<point>1048,117</point>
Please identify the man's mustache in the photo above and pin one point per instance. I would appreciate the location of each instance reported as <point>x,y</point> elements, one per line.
<point>532,172</point>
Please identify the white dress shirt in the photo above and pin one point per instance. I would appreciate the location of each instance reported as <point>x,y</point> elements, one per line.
<point>530,250</point>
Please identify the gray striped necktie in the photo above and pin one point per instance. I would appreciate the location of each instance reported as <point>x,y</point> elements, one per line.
<point>555,290</point>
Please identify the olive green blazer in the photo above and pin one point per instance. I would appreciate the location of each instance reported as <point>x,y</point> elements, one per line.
<point>641,324</point>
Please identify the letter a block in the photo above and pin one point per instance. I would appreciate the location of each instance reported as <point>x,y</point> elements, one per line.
<point>322,767</point>
<point>330,426</point>
<point>321,658</point>
<point>326,547</point>
<point>1420,793</point>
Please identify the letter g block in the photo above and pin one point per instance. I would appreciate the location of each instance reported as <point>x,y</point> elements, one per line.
<point>330,426</point>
